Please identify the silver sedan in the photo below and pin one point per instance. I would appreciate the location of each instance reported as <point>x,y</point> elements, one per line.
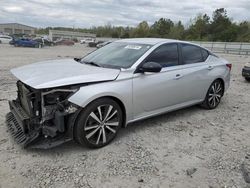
<point>91,98</point>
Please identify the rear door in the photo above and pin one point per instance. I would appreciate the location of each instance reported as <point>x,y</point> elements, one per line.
<point>195,72</point>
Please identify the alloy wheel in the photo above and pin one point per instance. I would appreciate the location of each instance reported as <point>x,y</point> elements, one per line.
<point>102,124</point>
<point>215,94</point>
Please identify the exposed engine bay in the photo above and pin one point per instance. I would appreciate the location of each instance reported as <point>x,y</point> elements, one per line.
<point>40,115</point>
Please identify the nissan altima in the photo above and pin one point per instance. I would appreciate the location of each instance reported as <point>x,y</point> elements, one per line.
<point>89,99</point>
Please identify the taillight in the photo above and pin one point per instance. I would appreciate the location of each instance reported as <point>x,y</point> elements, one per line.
<point>229,66</point>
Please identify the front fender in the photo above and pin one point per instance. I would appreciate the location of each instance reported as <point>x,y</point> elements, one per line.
<point>122,90</point>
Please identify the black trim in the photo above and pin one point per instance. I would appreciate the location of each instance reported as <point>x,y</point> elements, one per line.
<point>180,54</point>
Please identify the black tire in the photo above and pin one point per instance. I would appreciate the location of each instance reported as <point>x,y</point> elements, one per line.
<point>214,95</point>
<point>247,79</point>
<point>95,130</point>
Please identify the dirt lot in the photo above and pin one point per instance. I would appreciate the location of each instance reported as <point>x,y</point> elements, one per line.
<point>187,148</point>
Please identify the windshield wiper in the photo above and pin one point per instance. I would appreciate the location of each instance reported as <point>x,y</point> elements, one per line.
<point>92,63</point>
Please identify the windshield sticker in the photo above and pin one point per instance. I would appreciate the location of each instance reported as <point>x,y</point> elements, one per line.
<point>133,47</point>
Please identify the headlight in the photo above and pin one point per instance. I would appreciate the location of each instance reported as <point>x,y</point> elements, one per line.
<point>56,96</point>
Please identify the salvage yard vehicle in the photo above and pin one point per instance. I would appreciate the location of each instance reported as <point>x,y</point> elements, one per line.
<point>25,42</point>
<point>87,40</point>
<point>100,45</point>
<point>89,99</point>
<point>5,39</point>
<point>65,42</point>
<point>44,42</point>
<point>246,72</point>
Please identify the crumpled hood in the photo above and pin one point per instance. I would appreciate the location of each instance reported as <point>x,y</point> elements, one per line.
<point>55,73</point>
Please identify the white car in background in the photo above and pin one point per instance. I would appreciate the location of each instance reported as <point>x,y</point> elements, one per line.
<point>5,39</point>
<point>87,40</point>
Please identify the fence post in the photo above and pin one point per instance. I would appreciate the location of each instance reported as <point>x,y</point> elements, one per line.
<point>225,47</point>
<point>212,46</point>
<point>240,48</point>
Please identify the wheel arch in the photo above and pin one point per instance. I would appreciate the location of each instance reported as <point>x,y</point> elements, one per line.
<point>116,98</point>
<point>72,119</point>
<point>122,106</point>
<point>223,84</point>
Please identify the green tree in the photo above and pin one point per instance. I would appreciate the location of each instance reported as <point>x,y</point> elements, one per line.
<point>161,28</point>
<point>222,28</point>
<point>177,31</point>
<point>244,32</point>
<point>199,28</point>
<point>142,30</point>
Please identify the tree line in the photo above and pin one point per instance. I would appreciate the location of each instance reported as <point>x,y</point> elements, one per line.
<point>202,28</point>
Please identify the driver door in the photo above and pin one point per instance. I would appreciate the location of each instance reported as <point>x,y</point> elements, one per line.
<point>152,92</point>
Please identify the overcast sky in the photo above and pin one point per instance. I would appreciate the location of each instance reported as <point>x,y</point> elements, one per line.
<point>87,13</point>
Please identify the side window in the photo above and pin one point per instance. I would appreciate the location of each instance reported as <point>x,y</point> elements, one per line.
<point>205,54</point>
<point>166,55</point>
<point>191,54</point>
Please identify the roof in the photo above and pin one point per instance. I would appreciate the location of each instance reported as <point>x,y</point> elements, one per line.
<point>17,24</point>
<point>150,41</point>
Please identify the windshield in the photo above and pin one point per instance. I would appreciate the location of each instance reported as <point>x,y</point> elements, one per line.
<point>117,55</point>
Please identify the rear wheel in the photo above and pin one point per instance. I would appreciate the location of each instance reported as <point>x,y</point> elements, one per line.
<point>99,123</point>
<point>214,95</point>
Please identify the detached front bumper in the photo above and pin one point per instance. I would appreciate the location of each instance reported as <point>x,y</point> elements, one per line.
<point>246,72</point>
<point>27,132</point>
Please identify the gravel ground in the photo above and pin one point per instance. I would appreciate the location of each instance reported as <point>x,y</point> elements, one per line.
<point>192,147</point>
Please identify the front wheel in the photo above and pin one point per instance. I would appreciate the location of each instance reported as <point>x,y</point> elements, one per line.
<point>214,95</point>
<point>98,123</point>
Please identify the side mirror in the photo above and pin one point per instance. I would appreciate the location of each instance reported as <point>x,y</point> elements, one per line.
<point>150,67</point>
<point>77,59</point>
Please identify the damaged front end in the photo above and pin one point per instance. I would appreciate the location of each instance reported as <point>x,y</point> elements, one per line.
<point>39,118</point>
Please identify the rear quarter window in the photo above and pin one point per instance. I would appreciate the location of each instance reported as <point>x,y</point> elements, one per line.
<point>191,54</point>
<point>205,54</point>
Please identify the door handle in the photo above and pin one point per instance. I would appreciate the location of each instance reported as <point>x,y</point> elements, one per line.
<point>177,76</point>
<point>210,67</point>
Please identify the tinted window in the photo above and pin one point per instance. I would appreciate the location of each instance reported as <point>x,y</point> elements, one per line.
<point>205,54</point>
<point>191,54</point>
<point>166,55</point>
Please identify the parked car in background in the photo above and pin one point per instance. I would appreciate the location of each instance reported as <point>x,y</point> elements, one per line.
<point>5,39</point>
<point>103,44</point>
<point>94,44</point>
<point>12,42</point>
<point>87,40</point>
<point>65,42</point>
<point>90,99</point>
<point>24,42</point>
<point>246,72</point>
<point>44,42</point>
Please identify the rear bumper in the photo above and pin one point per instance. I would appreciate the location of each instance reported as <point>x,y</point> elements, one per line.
<point>26,132</point>
<point>246,72</point>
